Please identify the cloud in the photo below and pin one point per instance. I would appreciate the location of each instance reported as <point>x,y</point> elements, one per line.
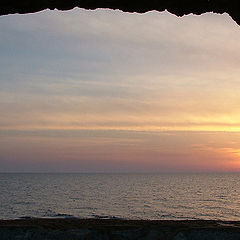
<point>108,150</point>
<point>87,88</point>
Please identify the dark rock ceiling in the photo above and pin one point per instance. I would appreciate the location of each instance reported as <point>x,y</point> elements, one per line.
<point>177,7</point>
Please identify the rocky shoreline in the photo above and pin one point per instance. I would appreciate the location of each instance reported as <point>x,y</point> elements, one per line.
<point>106,229</point>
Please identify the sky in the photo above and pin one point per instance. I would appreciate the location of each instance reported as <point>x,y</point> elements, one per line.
<point>107,91</point>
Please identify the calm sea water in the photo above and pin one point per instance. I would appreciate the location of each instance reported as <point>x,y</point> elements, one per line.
<point>127,196</point>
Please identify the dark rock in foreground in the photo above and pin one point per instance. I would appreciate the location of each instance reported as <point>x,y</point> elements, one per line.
<point>100,229</point>
<point>177,7</point>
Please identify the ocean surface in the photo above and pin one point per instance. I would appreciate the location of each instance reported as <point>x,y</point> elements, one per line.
<point>126,196</point>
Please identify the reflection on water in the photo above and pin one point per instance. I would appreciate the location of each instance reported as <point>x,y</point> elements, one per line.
<point>131,196</point>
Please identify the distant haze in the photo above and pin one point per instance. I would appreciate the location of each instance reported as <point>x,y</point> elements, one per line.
<point>107,91</point>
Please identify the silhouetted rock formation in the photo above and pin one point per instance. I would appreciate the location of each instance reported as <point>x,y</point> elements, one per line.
<point>91,229</point>
<point>177,7</point>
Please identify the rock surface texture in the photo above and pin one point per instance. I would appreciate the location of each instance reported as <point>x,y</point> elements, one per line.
<point>91,229</point>
<point>177,7</point>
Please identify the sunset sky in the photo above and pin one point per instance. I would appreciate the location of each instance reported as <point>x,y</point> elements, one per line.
<point>107,91</point>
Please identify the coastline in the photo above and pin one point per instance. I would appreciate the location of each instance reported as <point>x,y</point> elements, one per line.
<point>74,228</point>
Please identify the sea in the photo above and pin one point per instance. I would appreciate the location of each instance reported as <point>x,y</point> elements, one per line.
<point>158,196</point>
